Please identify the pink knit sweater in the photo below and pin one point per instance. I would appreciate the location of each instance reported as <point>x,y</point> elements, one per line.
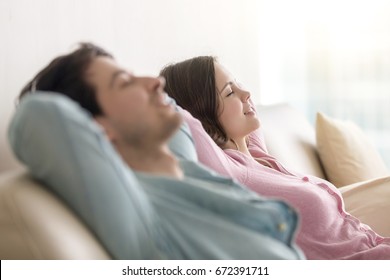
<point>326,230</point>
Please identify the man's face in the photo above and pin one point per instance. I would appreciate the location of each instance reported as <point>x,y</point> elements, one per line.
<point>134,109</point>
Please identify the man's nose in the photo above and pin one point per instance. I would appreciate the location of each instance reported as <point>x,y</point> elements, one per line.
<point>155,84</point>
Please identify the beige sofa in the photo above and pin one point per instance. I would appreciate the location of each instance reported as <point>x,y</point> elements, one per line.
<point>35,224</point>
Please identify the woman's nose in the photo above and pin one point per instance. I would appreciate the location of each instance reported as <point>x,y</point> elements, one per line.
<point>246,95</point>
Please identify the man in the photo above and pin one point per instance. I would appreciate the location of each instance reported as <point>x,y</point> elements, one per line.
<point>163,207</point>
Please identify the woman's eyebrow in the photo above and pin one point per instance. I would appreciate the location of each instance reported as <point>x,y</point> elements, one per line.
<point>226,85</point>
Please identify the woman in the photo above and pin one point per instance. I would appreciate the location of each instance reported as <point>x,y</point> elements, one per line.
<point>236,148</point>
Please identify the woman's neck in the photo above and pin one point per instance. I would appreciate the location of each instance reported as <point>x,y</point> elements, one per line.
<point>239,145</point>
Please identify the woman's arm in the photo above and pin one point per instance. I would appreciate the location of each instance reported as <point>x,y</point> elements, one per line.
<point>209,153</point>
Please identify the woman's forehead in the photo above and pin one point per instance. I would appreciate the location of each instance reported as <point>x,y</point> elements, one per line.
<point>223,77</point>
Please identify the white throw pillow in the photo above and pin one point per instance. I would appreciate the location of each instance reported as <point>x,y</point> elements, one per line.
<point>346,153</point>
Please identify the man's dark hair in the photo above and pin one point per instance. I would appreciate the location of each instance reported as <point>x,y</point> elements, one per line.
<point>66,75</point>
<point>192,84</point>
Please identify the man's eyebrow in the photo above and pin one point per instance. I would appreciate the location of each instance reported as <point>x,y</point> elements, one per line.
<point>226,85</point>
<point>115,75</point>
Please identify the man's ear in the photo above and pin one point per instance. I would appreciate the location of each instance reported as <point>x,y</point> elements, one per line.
<point>107,127</point>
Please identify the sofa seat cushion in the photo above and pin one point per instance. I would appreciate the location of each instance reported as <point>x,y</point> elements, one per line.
<point>369,201</point>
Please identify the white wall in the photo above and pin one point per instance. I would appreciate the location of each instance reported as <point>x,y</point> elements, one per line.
<point>144,35</point>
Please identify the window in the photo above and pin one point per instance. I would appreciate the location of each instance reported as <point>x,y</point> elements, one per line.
<point>329,56</point>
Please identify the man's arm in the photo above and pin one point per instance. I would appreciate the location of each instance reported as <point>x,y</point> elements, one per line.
<point>63,147</point>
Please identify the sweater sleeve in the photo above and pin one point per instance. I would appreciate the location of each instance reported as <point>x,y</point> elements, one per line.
<point>209,153</point>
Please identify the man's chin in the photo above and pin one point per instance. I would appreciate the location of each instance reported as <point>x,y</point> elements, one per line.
<point>177,121</point>
<point>172,125</point>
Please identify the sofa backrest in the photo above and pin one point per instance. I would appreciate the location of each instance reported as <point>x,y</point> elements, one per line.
<point>35,224</point>
<point>290,138</point>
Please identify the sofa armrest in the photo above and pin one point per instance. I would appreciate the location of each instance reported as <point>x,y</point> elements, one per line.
<point>35,224</point>
<point>369,202</point>
<point>290,138</point>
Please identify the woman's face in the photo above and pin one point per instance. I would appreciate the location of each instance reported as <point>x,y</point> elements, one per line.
<point>236,114</point>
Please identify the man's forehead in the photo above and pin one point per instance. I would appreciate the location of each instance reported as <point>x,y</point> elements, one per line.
<point>102,65</point>
<point>101,70</point>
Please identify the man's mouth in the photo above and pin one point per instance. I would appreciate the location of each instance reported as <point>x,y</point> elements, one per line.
<point>166,100</point>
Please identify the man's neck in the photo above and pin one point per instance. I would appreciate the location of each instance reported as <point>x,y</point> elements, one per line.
<point>158,161</point>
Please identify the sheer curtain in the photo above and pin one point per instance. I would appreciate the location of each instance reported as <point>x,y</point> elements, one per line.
<point>329,56</point>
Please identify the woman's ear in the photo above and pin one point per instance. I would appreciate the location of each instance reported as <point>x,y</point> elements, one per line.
<point>107,127</point>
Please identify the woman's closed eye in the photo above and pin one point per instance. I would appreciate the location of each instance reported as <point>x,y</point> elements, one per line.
<point>230,93</point>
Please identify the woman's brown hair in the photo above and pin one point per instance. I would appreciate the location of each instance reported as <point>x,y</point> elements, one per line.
<point>192,84</point>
